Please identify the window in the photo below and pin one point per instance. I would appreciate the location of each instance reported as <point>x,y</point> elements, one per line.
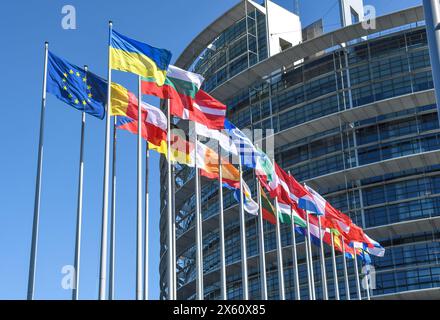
<point>354,16</point>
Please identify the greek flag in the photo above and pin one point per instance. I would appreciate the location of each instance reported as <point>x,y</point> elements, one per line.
<point>246,149</point>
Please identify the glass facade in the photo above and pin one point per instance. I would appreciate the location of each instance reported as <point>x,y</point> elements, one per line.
<point>360,74</point>
<point>233,51</point>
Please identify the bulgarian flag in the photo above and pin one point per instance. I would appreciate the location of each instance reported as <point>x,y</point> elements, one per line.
<point>187,101</point>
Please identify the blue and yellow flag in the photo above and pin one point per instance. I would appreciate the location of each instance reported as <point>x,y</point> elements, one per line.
<point>139,58</point>
<point>82,90</point>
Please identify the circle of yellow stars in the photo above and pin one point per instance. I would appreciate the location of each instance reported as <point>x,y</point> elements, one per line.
<point>84,79</point>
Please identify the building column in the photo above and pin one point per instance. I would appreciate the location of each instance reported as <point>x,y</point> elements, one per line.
<point>432,19</point>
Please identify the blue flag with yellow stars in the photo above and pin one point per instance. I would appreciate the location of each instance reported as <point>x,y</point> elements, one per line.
<point>82,90</point>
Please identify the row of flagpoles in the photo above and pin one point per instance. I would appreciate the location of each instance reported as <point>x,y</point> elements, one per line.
<point>208,115</point>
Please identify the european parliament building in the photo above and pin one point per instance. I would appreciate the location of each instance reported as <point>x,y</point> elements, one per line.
<point>353,115</point>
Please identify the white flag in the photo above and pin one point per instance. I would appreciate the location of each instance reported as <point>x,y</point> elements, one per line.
<point>225,142</point>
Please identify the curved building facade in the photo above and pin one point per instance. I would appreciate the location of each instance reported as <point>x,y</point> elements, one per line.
<point>353,115</point>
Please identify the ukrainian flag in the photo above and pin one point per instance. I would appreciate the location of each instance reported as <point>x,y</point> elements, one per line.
<point>139,58</point>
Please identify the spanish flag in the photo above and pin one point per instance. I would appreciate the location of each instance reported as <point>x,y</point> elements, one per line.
<point>123,102</point>
<point>139,58</point>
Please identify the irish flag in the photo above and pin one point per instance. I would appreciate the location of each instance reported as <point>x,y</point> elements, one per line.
<point>187,101</point>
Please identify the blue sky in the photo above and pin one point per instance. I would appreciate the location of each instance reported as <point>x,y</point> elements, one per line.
<point>25,25</point>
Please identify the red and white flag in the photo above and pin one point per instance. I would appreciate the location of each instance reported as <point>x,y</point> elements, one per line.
<point>202,109</point>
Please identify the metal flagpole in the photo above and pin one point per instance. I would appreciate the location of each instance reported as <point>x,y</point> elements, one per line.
<point>223,286</point>
<point>309,280</point>
<point>295,256</point>
<point>173,176</point>
<point>170,276</point>
<point>367,282</point>
<point>323,271</point>
<point>295,259</point>
<point>146,218</point>
<point>309,245</point>
<point>111,287</point>
<point>335,269</point>
<point>347,284</point>
<point>75,291</point>
<point>104,224</point>
<point>279,254</point>
<point>36,220</point>
<point>199,238</point>
<point>268,35</point>
<point>356,271</point>
<point>262,252</point>
<point>139,198</point>
<point>244,271</point>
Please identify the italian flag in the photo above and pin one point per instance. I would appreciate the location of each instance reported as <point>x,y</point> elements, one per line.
<point>187,101</point>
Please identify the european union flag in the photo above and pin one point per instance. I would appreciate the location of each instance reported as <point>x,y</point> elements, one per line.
<point>82,90</point>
